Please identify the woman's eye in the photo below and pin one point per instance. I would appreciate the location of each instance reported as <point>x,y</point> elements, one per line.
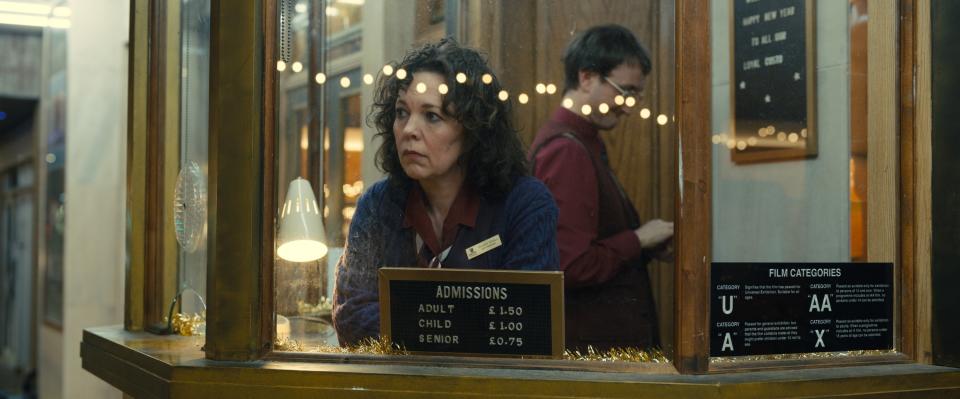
<point>401,113</point>
<point>432,117</point>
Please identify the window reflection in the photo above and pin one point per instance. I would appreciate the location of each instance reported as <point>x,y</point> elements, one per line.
<point>191,194</point>
<point>343,15</point>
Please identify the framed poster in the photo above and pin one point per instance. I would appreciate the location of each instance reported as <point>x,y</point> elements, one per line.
<point>772,95</point>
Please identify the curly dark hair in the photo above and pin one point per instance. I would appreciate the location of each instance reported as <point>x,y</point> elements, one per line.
<point>493,156</point>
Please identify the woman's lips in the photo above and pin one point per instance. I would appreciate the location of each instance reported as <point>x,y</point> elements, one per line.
<point>412,153</point>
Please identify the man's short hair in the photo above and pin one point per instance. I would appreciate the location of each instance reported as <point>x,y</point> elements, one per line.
<point>600,49</point>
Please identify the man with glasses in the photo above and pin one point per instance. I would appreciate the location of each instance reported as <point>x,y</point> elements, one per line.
<point>604,248</point>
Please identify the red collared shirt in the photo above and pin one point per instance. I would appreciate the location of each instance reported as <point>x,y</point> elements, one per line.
<point>463,212</point>
<point>568,172</point>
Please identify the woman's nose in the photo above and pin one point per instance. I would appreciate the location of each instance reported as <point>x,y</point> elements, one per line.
<point>412,127</point>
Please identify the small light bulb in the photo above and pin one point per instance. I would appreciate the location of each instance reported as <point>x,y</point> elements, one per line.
<point>443,89</point>
<point>487,78</point>
<point>345,82</point>
<point>461,77</point>
<point>281,66</point>
<point>645,113</point>
<point>741,145</point>
<point>320,78</point>
<point>421,87</point>
<point>368,79</point>
<point>523,98</point>
<point>503,95</point>
<point>388,69</point>
<point>541,88</point>
<point>551,88</point>
<point>296,66</point>
<point>568,103</point>
<point>618,100</point>
<point>603,108</point>
<point>585,109</point>
<point>630,101</point>
<point>401,74</point>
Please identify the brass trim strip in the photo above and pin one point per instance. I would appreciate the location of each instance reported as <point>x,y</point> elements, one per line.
<point>135,282</point>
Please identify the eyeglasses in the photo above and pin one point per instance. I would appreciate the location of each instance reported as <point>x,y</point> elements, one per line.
<point>625,93</point>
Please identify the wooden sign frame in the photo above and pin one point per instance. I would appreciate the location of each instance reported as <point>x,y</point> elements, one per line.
<point>775,148</point>
<point>553,279</point>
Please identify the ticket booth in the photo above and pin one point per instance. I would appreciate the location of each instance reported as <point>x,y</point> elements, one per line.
<point>789,142</point>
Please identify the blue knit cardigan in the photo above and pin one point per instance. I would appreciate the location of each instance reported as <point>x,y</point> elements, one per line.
<point>525,219</point>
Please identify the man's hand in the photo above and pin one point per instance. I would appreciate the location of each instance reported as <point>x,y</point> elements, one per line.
<point>654,233</point>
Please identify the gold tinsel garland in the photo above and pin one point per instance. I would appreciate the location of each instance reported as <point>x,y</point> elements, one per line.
<point>372,346</point>
<point>188,325</point>
<point>367,346</point>
<point>630,355</point>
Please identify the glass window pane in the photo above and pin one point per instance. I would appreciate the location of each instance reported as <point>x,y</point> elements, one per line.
<point>794,151</point>
<point>327,91</point>
<point>55,113</point>
<point>190,129</point>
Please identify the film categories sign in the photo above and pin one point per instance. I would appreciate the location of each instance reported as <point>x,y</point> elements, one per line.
<point>771,308</point>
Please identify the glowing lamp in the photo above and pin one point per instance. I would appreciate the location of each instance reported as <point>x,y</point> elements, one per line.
<point>301,237</point>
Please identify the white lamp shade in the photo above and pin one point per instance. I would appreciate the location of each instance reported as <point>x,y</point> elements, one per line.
<point>301,237</point>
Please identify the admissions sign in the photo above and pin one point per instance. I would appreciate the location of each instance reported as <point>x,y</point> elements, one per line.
<point>473,312</point>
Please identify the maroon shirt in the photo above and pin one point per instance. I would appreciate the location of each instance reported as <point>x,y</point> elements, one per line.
<point>588,255</point>
<point>463,212</point>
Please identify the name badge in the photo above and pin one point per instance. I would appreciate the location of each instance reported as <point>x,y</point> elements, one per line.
<point>484,247</point>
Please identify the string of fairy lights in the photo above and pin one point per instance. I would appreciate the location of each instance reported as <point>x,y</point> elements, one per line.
<point>504,95</point>
<point>766,137</point>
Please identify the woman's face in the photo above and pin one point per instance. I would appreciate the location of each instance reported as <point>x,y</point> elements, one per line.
<point>429,141</point>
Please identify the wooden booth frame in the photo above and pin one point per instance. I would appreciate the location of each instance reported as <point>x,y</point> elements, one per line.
<point>240,286</point>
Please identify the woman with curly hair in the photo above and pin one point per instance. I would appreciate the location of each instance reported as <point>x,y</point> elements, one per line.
<point>456,176</point>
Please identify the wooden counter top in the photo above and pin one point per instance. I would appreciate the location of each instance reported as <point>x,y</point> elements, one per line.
<point>145,365</point>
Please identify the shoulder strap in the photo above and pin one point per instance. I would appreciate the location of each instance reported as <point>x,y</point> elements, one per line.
<point>597,167</point>
<point>566,135</point>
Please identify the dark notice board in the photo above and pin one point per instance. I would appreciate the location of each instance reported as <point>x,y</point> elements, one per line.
<point>778,308</point>
<point>772,82</point>
<point>473,312</point>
